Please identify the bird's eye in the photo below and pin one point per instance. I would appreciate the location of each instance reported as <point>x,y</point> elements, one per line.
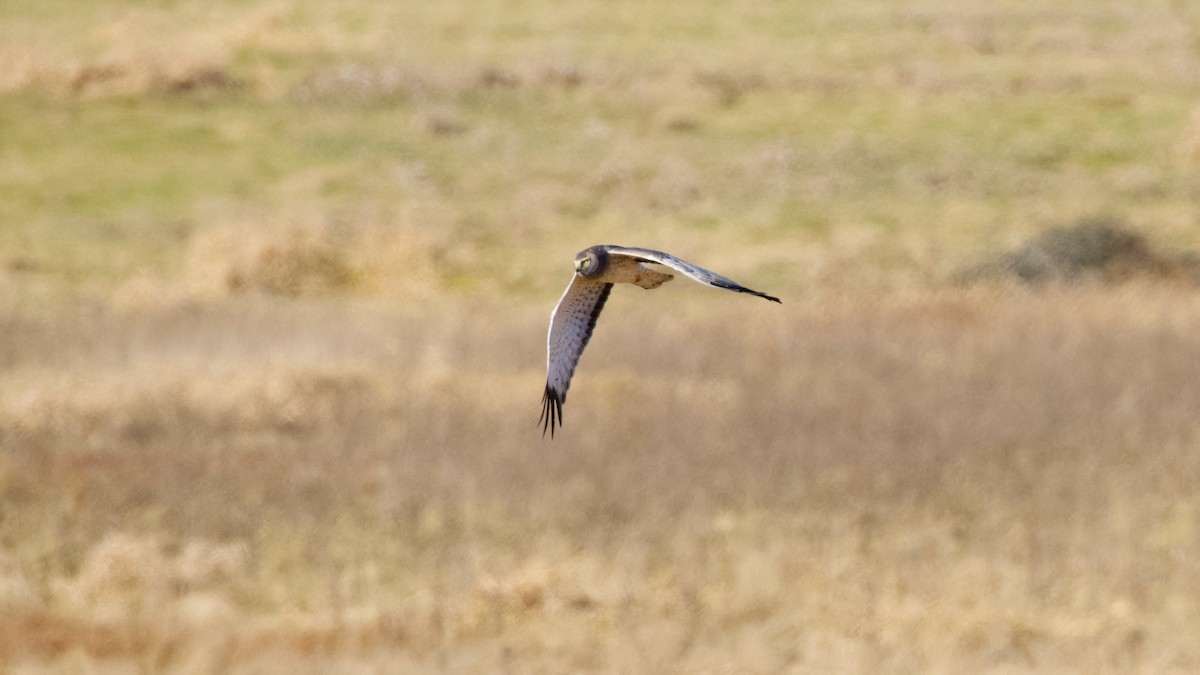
<point>587,262</point>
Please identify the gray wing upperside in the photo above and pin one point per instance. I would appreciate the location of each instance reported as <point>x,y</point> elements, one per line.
<point>571,327</point>
<point>695,272</point>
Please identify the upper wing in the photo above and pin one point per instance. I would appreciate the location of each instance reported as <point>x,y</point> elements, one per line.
<point>695,272</point>
<point>571,327</point>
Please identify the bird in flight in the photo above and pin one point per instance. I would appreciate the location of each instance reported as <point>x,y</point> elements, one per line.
<point>574,318</point>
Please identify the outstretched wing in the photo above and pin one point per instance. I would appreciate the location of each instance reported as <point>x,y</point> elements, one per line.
<point>571,326</point>
<point>696,272</point>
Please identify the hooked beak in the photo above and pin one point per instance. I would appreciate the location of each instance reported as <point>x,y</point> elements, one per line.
<point>577,265</point>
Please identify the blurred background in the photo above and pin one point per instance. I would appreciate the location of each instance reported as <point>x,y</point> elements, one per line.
<point>275,279</point>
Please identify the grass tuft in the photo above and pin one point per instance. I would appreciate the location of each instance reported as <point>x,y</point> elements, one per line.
<point>1092,249</point>
<point>291,262</point>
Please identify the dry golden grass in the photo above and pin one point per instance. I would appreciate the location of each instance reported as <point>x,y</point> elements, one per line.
<point>937,481</point>
<point>312,259</point>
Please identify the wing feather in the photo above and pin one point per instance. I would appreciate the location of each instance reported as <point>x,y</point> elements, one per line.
<point>571,327</point>
<point>695,272</point>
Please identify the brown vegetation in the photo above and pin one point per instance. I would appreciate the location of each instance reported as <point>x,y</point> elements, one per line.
<point>308,260</point>
<point>294,261</point>
<point>1093,249</point>
<point>966,480</point>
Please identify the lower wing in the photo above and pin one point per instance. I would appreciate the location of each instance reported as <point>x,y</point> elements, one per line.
<point>571,326</point>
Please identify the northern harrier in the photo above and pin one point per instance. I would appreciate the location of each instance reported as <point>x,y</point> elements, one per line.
<point>572,322</point>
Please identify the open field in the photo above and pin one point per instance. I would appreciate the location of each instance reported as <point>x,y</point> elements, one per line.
<point>274,281</point>
<point>965,481</point>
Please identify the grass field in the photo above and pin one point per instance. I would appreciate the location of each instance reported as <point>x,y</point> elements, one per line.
<point>274,283</point>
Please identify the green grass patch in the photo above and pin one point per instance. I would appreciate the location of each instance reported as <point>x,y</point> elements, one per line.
<point>558,124</point>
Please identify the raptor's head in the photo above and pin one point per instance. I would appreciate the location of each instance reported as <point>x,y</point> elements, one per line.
<point>591,262</point>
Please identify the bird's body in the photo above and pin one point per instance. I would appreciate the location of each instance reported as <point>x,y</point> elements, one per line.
<point>624,269</point>
<point>574,318</point>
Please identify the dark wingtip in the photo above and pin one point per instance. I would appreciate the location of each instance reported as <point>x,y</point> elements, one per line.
<point>760,294</point>
<point>551,404</point>
<point>751,291</point>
